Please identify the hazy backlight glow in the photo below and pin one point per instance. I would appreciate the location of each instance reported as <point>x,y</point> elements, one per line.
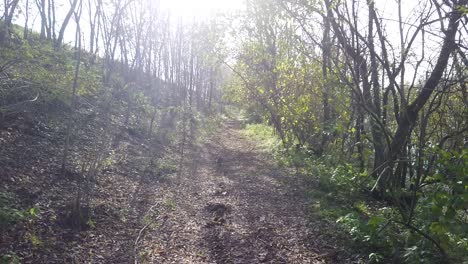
<point>189,9</point>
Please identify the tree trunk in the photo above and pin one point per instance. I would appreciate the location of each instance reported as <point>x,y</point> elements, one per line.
<point>58,42</point>
<point>5,29</point>
<point>410,114</point>
<point>73,99</point>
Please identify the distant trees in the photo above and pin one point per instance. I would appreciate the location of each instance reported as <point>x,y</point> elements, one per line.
<point>9,8</point>
<point>133,38</point>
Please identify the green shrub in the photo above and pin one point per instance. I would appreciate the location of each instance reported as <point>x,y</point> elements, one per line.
<point>10,258</point>
<point>377,228</point>
<point>442,210</point>
<point>8,214</point>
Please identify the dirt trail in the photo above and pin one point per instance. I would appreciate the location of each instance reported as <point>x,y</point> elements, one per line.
<point>232,206</point>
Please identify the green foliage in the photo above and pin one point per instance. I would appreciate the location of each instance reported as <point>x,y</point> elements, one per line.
<point>170,204</point>
<point>375,227</point>
<point>277,82</point>
<point>38,70</point>
<point>328,129</point>
<point>207,126</point>
<point>167,165</point>
<point>441,214</point>
<point>375,258</point>
<point>34,239</point>
<point>91,223</point>
<point>8,214</point>
<point>348,179</point>
<point>10,258</point>
<point>372,229</point>
<point>264,135</point>
<point>462,9</point>
<point>442,210</point>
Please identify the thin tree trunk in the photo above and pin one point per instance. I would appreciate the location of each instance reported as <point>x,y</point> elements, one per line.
<point>410,114</point>
<point>58,42</point>
<point>73,100</point>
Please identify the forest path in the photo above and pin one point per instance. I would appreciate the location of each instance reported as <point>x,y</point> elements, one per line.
<point>232,206</point>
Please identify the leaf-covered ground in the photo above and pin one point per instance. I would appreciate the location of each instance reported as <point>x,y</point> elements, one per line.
<point>233,204</point>
<point>41,194</point>
<point>230,203</point>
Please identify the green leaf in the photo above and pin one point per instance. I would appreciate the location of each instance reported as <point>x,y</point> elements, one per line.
<point>33,211</point>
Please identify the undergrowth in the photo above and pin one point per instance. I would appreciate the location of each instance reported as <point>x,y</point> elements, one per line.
<point>378,230</point>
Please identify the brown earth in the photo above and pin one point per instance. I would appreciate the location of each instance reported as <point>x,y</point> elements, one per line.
<point>230,203</point>
<point>233,205</point>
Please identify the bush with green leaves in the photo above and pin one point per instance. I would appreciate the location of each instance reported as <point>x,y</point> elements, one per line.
<point>437,231</point>
<point>443,207</point>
